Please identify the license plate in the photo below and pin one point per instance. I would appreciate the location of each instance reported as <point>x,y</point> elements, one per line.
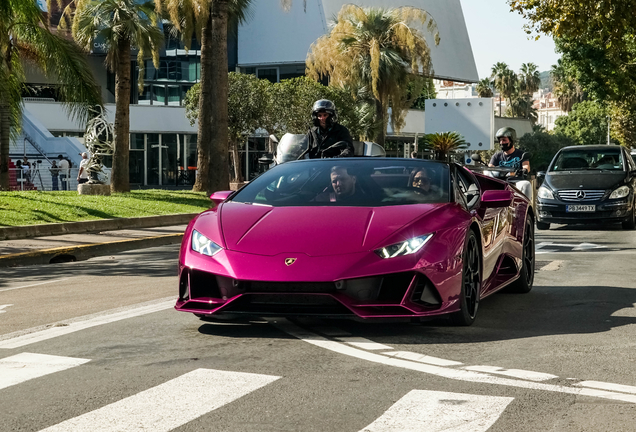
<point>580,208</point>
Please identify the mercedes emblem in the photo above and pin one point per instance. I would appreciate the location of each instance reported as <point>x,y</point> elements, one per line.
<point>580,194</point>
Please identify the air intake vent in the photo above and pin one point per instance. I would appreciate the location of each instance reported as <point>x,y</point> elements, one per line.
<point>580,195</point>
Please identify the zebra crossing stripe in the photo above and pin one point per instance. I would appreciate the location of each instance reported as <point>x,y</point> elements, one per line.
<point>25,366</point>
<point>168,405</point>
<point>434,411</point>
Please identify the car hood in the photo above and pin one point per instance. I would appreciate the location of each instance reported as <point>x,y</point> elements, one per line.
<point>315,231</point>
<point>585,180</point>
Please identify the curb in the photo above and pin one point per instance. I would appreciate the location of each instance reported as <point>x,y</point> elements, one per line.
<point>27,231</point>
<point>84,252</point>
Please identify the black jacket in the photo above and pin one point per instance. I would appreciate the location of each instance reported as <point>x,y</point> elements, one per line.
<point>319,142</point>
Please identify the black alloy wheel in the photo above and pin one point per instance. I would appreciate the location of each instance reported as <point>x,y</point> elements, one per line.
<point>471,283</point>
<point>523,285</point>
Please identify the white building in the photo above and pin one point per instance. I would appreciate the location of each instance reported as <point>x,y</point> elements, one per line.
<point>548,109</point>
<point>273,44</point>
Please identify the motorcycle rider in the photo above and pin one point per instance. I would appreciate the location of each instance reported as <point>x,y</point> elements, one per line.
<point>326,132</point>
<point>509,156</point>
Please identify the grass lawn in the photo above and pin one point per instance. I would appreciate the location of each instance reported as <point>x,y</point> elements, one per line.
<point>34,207</point>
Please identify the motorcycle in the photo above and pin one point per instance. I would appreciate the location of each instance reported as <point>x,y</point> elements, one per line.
<point>518,177</point>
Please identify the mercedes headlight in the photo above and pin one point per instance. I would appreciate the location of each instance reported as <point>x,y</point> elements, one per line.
<point>204,245</point>
<point>406,247</point>
<point>621,192</point>
<point>545,193</point>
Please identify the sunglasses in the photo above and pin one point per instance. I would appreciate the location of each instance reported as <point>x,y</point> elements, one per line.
<point>423,180</point>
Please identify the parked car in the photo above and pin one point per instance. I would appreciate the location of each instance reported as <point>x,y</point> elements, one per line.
<point>588,184</point>
<point>361,238</point>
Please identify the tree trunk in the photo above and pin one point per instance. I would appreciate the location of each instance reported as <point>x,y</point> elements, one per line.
<point>380,113</point>
<point>120,181</point>
<point>5,143</point>
<point>238,172</point>
<point>216,83</point>
<point>205,125</point>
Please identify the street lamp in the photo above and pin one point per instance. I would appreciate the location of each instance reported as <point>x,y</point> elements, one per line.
<point>608,130</point>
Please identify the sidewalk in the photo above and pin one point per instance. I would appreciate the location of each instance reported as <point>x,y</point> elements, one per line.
<point>77,244</point>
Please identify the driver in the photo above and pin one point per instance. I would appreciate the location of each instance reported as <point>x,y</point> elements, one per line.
<point>509,156</point>
<point>343,185</point>
<point>420,180</point>
<point>327,132</point>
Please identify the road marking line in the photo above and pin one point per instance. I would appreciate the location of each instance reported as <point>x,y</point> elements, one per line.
<point>52,332</point>
<point>608,386</point>
<point>32,285</point>
<point>4,306</point>
<point>515,373</point>
<point>331,331</point>
<point>168,405</point>
<point>434,411</point>
<point>456,374</point>
<point>407,355</point>
<point>25,366</point>
<point>363,343</point>
<point>552,266</point>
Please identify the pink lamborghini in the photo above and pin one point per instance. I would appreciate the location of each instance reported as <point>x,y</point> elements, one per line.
<point>358,237</point>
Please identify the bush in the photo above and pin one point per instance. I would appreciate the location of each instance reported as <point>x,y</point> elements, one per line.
<point>543,146</point>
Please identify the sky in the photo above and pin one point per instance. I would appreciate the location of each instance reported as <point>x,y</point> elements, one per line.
<point>497,35</point>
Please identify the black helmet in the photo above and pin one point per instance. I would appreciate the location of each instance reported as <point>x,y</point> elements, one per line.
<point>508,132</point>
<point>324,105</point>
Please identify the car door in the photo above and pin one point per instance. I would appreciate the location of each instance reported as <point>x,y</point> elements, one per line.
<point>493,221</point>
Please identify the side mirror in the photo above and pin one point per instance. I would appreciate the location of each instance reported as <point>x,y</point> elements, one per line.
<point>219,197</point>
<point>496,198</point>
<point>475,157</point>
<point>273,138</point>
<point>266,159</point>
<point>541,174</point>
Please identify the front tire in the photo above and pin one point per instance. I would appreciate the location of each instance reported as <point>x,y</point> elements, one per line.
<point>543,225</point>
<point>631,223</point>
<point>471,283</point>
<point>523,285</point>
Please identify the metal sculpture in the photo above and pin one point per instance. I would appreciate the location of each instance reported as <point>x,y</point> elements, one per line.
<point>99,140</point>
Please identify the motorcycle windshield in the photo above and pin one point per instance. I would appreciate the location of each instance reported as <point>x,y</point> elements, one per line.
<point>291,147</point>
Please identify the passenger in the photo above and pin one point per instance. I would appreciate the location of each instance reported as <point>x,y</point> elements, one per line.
<point>420,180</point>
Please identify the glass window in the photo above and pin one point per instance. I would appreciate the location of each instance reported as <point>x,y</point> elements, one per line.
<point>191,152</point>
<point>268,74</point>
<point>137,141</point>
<point>169,145</point>
<point>153,159</point>
<point>589,159</point>
<point>361,183</point>
<point>159,95</point>
<point>174,95</point>
<point>145,98</point>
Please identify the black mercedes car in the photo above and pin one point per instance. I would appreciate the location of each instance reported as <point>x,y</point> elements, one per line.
<point>588,184</point>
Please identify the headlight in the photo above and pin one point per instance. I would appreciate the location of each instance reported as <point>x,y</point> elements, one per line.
<point>204,245</point>
<point>545,193</point>
<point>406,247</point>
<point>621,192</point>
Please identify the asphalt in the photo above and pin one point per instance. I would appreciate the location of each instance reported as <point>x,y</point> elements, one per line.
<point>77,241</point>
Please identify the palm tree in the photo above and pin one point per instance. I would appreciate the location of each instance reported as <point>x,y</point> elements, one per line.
<point>498,76</point>
<point>484,88</point>
<point>521,106</point>
<point>509,85</point>
<point>529,79</point>
<point>566,88</point>
<point>25,37</point>
<point>208,20</point>
<point>120,24</point>
<point>380,49</point>
<point>441,143</point>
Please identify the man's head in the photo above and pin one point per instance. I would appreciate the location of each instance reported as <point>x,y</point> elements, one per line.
<point>344,184</point>
<point>25,159</point>
<point>324,114</point>
<point>60,157</point>
<point>84,155</point>
<point>507,138</point>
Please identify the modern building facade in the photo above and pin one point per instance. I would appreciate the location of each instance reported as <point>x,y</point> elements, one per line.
<point>273,45</point>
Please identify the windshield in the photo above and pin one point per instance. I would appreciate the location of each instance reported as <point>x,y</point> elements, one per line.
<point>290,147</point>
<point>577,160</point>
<point>349,182</point>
